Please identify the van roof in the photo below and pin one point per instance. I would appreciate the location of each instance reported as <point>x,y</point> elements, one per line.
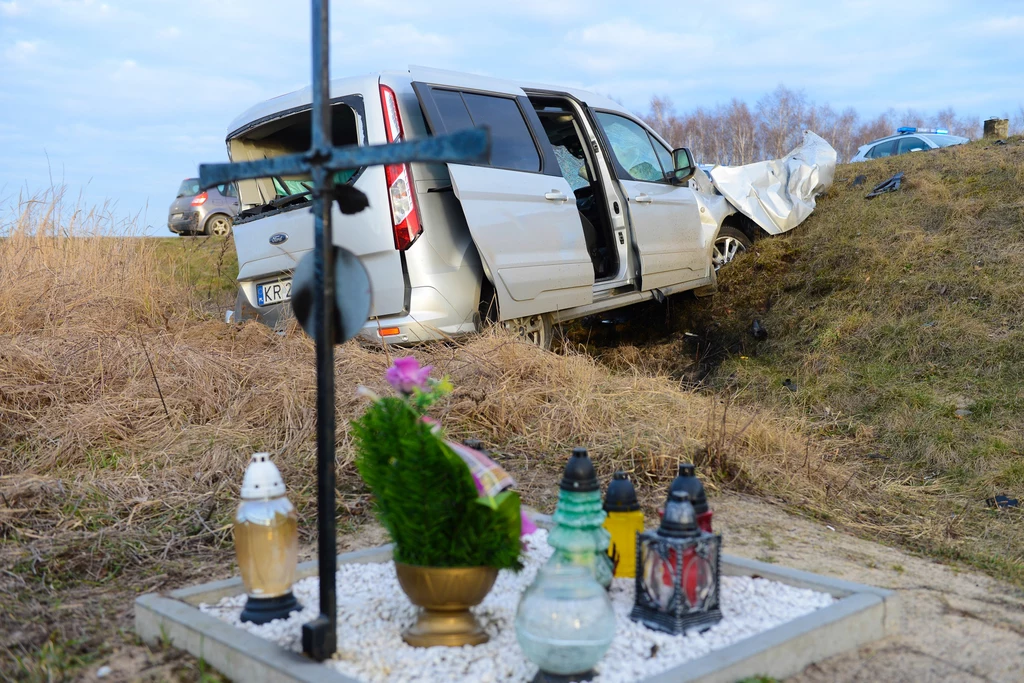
<point>368,83</point>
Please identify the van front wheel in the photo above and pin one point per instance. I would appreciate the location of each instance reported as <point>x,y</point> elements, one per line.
<point>535,329</point>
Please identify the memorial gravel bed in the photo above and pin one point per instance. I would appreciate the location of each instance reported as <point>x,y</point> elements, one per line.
<point>373,611</point>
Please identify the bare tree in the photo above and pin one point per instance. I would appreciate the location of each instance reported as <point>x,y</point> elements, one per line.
<point>780,114</point>
<point>739,121</point>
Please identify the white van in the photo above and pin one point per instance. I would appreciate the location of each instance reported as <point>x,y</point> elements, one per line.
<point>581,209</point>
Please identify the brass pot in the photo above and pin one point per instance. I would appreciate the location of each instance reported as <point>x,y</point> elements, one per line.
<point>445,595</point>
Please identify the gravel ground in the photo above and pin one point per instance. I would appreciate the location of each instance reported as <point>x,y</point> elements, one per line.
<point>373,612</point>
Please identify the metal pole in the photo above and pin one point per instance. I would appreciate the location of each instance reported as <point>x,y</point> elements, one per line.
<point>319,636</point>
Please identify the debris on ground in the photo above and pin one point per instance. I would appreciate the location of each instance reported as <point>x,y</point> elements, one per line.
<point>758,330</point>
<point>859,180</point>
<point>788,383</point>
<point>890,185</point>
<point>962,413</point>
<point>1001,502</point>
<point>779,194</point>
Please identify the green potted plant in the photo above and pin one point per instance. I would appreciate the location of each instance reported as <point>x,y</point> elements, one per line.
<point>452,533</point>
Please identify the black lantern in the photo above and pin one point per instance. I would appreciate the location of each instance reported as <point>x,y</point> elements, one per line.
<point>677,572</point>
<point>688,482</point>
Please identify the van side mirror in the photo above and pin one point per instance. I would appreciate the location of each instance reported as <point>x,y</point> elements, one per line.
<point>684,164</point>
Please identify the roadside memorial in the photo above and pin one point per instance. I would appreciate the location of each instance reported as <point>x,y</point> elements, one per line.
<point>516,571</point>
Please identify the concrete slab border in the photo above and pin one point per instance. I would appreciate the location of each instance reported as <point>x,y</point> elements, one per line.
<point>861,614</point>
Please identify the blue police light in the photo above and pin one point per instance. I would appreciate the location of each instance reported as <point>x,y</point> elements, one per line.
<point>903,130</point>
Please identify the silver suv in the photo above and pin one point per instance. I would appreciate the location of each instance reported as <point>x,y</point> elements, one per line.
<point>582,208</point>
<point>207,213</point>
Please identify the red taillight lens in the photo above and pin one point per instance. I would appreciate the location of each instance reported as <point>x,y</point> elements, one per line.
<point>199,199</point>
<point>405,216</point>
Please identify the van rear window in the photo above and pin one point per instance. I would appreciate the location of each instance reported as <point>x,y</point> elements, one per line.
<point>289,133</point>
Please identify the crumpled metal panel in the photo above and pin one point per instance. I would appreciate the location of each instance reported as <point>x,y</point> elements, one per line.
<point>779,194</point>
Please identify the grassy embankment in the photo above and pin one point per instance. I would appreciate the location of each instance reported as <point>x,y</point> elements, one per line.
<point>901,321</point>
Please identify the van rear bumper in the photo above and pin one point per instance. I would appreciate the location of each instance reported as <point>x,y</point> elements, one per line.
<point>431,318</point>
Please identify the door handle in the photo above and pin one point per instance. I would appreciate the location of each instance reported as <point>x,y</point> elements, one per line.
<point>644,198</point>
<point>555,196</point>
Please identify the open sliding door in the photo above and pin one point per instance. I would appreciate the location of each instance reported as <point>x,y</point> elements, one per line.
<point>521,212</point>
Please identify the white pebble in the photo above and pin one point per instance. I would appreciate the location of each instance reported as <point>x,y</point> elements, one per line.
<point>373,611</point>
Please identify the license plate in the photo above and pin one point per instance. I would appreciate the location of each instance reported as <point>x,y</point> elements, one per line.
<point>176,216</point>
<point>273,292</point>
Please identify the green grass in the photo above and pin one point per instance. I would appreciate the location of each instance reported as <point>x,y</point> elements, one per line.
<point>901,319</point>
<point>209,265</point>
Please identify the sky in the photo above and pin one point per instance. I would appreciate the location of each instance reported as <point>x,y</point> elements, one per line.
<point>121,99</point>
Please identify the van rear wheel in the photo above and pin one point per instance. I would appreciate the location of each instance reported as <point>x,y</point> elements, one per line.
<point>535,329</point>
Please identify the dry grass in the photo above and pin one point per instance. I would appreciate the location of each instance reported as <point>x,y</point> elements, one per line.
<point>127,414</point>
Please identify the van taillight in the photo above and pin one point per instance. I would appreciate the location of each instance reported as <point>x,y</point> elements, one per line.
<point>405,216</point>
<point>199,199</point>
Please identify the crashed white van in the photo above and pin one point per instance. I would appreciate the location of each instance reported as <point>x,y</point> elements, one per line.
<point>581,208</point>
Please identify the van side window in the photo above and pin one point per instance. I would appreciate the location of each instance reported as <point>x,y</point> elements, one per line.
<point>512,144</point>
<point>664,155</point>
<point>632,148</point>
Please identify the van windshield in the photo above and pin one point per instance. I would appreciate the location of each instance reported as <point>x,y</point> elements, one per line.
<point>289,133</point>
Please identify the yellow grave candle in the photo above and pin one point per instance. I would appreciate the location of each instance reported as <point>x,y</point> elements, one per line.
<point>624,521</point>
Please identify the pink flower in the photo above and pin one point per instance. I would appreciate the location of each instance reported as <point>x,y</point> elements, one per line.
<point>526,525</point>
<point>406,375</point>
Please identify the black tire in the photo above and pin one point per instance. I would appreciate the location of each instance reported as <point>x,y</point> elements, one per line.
<point>730,243</point>
<point>217,224</point>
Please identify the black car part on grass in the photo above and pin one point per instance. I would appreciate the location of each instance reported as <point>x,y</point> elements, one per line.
<point>1001,502</point>
<point>890,185</point>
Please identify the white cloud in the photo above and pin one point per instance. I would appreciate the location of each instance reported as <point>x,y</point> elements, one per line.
<point>22,51</point>
<point>615,46</point>
<point>170,32</point>
<point>11,9</point>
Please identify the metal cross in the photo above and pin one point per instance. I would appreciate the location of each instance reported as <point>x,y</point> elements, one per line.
<point>321,161</point>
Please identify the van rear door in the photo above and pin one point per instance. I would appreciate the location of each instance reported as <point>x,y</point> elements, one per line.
<point>279,231</point>
<point>521,212</point>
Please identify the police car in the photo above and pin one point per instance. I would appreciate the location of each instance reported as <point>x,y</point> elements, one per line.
<point>907,139</point>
